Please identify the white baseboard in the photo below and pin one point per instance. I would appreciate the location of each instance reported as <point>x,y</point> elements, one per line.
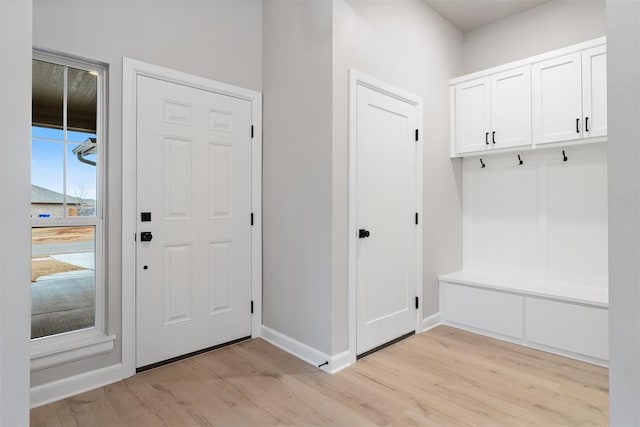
<point>525,343</point>
<point>290,345</point>
<point>57,390</point>
<point>305,352</point>
<point>431,322</point>
<point>341,361</point>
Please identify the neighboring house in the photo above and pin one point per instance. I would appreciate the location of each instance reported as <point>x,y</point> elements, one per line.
<point>45,202</point>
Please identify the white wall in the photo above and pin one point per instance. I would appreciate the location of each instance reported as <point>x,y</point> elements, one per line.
<point>552,25</point>
<point>406,44</point>
<point>545,219</point>
<point>623,53</point>
<point>297,170</point>
<point>15,246</point>
<point>217,39</point>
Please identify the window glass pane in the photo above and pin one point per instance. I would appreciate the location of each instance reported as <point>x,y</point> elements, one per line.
<point>81,179</point>
<point>47,161</point>
<point>47,95</point>
<point>73,136</point>
<point>47,133</point>
<point>62,280</point>
<point>82,99</point>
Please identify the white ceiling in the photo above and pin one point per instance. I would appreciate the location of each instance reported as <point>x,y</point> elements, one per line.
<point>467,15</point>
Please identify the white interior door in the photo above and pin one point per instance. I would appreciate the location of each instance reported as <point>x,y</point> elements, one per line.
<point>594,83</point>
<point>472,105</point>
<point>511,108</point>
<point>386,203</point>
<point>557,99</point>
<point>193,279</point>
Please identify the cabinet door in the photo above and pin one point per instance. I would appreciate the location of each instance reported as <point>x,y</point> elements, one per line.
<point>472,115</point>
<point>557,99</point>
<point>511,108</point>
<point>594,91</point>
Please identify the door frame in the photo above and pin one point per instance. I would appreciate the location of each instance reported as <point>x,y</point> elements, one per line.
<point>131,69</point>
<point>357,78</point>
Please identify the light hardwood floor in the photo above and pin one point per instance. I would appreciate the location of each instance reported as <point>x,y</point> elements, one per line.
<point>445,377</point>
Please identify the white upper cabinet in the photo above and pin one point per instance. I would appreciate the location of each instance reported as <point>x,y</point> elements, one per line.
<point>472,115</point>
<point>570,97</point>
<point>557,99</point>
<point>594,91</point>
<point>511,108</point>
<point>493,112</point>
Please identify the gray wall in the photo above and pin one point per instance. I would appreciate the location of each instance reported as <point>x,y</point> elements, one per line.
<point>308,48</point>
<point>550,26</point>
<point>297,170</point>
<point>623,56</point>
<point>217,39</point>
<point>406,44</point>
<point>15,188</point>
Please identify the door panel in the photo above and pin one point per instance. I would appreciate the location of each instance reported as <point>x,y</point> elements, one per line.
<point>194,177</point>
<point>386,205</point>
<point>472,115</point>
<point>511,108</point>
<point>594,71</point>
<point>557,99</point>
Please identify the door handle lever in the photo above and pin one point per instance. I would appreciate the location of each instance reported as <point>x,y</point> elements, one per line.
<point>362,233</point>
<point>146,236</point>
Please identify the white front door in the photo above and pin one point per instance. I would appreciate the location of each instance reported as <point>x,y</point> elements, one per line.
<point>193,278</point>
<point>386,204</point>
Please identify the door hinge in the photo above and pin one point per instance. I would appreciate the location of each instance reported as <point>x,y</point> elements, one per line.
<point>416,218</point>
<point>251,131</point>
<point>416,135</point>
<point>251,218</point>
<point>135,237</point>
<point>417,302</point>
<point>251,306</point>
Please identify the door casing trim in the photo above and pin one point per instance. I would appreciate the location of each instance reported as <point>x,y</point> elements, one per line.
<point>131,69</point>
<point>357,78</point>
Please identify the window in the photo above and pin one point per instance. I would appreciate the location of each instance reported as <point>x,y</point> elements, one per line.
<point>67,203</point>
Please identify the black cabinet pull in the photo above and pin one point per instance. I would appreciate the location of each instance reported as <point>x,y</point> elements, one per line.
<point>586,124</point>
<point>493,137</point>
<point>578,125</point>
<point>486,138</point>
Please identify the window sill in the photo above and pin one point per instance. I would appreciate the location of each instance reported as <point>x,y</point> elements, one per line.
<point>60,349</point>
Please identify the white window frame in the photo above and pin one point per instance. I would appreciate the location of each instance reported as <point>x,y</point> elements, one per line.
<point>74,345</point>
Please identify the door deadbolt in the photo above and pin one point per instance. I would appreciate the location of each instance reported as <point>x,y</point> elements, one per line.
<point>146,236</point>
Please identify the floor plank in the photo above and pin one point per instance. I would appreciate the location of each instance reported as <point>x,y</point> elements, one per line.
<point>445,377</point>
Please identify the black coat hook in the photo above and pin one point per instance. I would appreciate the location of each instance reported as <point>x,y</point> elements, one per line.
<point>520,162</point>
<point>564,157</point>
<point>482,163</point>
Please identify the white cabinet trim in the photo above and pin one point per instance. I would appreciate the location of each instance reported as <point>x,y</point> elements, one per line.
<point>531,60</point>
